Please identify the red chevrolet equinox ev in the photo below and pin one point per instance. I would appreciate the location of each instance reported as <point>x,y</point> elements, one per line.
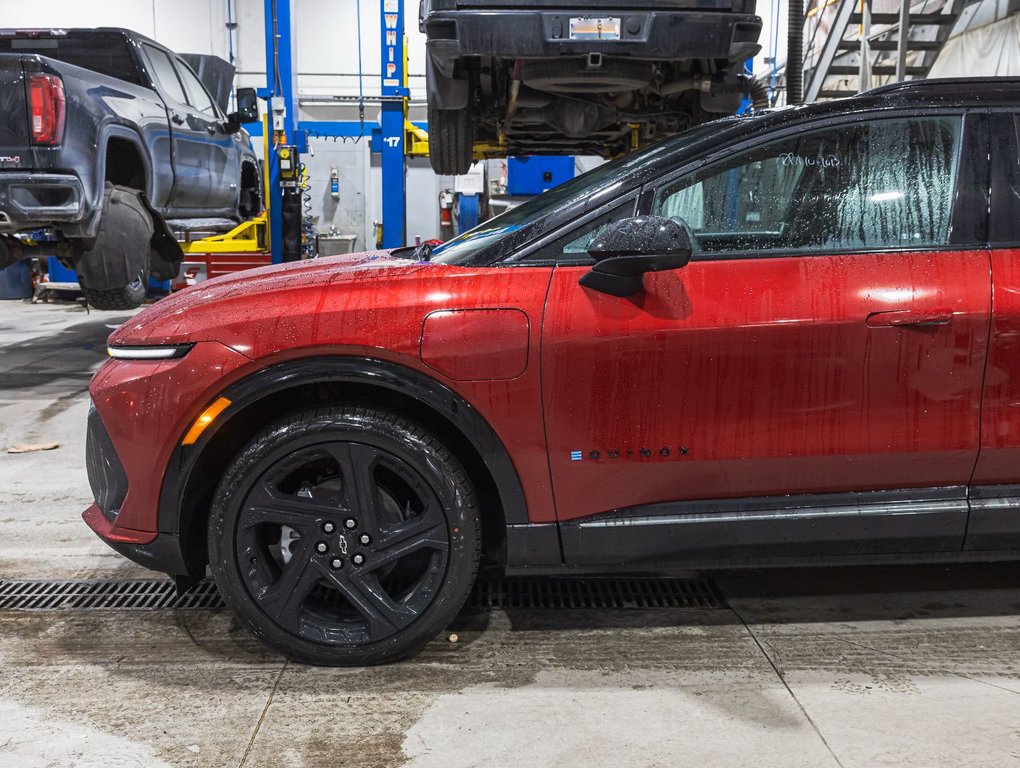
<point>785,338</point>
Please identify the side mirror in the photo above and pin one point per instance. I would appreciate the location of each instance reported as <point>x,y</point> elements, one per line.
<point>247,110</point>
<point>626,249</point>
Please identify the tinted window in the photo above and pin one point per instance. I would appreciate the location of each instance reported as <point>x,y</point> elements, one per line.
<point>166,77</point>
<point>197,97</point>
<point>105,53</point>
<point>572,248</point>
<point>879,184</point>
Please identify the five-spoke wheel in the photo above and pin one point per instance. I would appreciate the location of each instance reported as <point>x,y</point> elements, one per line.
<point>345,536</point>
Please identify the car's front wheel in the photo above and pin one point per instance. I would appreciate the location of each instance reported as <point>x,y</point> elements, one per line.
<point>345,536</point>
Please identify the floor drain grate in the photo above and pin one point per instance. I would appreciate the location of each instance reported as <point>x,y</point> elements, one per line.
<point>119,595</point>
<point>155,594</point>
<point>595,593</point>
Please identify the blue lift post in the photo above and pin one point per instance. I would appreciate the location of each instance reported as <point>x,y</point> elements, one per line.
<point>394,108</point>
<point>281,84</point>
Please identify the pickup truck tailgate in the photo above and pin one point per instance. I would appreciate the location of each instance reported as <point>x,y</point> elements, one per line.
<point>13,114</point>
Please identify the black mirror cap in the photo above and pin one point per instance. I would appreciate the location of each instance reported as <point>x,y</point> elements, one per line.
<point>626,249</point>
<point>643,236</point>
<point>247,105</point>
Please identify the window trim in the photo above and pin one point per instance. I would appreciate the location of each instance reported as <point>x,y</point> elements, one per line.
<point>971,128</point>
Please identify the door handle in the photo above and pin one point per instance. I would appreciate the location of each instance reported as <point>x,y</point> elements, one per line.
<point>177,119</point>
<point>211,130</point>
<point>909,318</point>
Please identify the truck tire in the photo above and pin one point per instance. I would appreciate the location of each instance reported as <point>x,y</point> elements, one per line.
<point>451,141</point>
<point>129,297</point>
<point>114,272</point>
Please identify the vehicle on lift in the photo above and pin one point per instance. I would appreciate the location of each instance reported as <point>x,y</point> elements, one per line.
<point>104,135</point>
<point>525,77</point>
<point>832,378</point>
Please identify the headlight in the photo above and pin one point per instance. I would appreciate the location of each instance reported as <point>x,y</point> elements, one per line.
<point>168,352</point>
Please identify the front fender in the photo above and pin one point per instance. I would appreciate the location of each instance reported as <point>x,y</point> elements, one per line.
<point>347,370</point>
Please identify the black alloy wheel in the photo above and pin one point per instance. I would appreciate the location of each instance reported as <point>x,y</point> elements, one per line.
<point>345,536</point>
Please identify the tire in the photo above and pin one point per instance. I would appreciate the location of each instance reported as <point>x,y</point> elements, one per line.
<point>130,296</point>
<point>573,76</point>
<point>114,272</point>
<point>451,141</point>
<point>313,492</point>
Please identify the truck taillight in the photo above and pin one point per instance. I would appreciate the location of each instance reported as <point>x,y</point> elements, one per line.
<point>46,102</point>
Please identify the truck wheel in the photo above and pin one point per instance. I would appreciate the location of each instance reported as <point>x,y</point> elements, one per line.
<point>345,536</point>
<point>129,297</point>
<point>114,272</point>
<point>451,141</point>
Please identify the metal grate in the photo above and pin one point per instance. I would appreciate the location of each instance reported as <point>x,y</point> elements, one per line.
<point>488,594</point>
<point>594,593</point>
<point>125,595</point>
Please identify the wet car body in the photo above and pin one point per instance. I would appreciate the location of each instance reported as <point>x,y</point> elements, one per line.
<point>782,398</point>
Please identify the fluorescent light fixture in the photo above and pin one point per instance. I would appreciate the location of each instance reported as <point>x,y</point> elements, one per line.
<point>168,352</point>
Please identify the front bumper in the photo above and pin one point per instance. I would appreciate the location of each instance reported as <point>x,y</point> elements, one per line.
<point>30,200</point>
<point>645,35</point>
<point>141,410</point>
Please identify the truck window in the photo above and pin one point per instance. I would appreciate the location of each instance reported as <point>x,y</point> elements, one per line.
<point>102,52</point>
<point>197,97</point>
<point>166,76</point>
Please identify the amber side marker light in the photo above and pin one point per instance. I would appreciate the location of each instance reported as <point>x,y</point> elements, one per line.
<point>208,417</point>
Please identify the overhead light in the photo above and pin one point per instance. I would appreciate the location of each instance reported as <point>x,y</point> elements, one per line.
<point>882,197</point>
<point>168,352</point>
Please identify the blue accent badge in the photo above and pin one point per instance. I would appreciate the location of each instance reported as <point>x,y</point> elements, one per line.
<point>575,455</point>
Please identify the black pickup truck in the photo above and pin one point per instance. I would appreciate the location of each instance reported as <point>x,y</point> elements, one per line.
<point>104,136</point>
<point>598,77</point>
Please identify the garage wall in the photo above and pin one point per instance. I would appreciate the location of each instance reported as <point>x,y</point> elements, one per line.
<point>186,26</point>
<point>327,57</point>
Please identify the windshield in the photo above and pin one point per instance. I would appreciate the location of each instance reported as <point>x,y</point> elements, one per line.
<point>462,248</point>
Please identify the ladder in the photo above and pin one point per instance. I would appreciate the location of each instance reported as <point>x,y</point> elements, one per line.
<point>854,45</point>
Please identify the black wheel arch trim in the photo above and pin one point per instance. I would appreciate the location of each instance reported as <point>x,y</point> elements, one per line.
<point>349,370</point>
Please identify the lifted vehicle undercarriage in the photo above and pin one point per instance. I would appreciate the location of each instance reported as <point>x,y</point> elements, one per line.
<point>547,78</point>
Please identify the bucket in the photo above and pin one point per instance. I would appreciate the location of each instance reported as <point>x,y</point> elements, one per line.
<point>16,280</point>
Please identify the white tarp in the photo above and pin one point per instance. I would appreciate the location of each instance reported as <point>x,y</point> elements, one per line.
<point>993,49</point>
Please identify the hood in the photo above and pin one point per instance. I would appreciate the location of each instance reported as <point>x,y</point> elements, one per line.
<point>227,306</point>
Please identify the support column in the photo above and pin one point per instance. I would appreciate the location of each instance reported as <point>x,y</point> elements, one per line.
<point>281,92</point>
<point>394,108</point>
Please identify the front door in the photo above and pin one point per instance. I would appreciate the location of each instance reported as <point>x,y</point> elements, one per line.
<point>204,159</point>
<point>817,365</point>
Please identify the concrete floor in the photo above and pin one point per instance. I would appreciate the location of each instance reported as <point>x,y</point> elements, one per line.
<point>898,666</point>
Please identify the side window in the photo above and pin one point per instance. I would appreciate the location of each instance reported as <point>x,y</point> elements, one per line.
<point>166,77</point>
<point>572,248</point>
<point>197,97</point>
<point>879,184</point>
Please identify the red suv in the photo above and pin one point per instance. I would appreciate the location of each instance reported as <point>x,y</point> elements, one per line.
<point>832,378</point>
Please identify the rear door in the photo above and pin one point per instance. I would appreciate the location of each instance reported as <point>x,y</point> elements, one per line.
<point>818,364</point>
